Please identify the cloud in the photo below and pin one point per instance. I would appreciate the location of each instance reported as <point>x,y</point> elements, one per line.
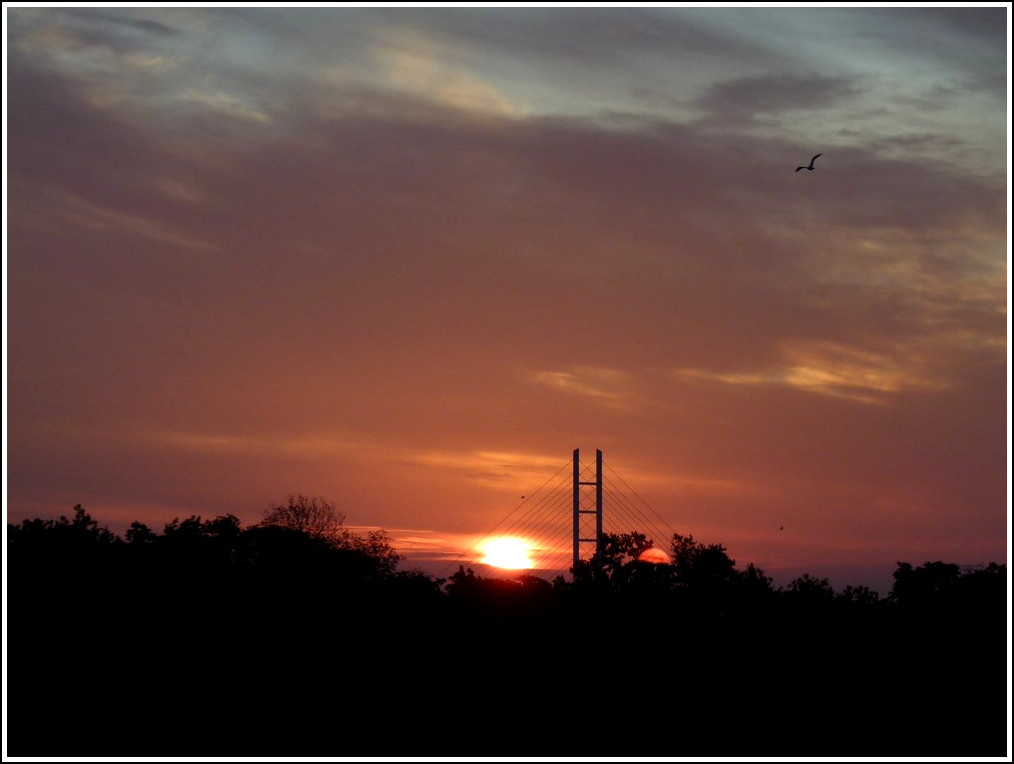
<point>830,368</point>
<point>276,446</point>
<point>226,104</point>
<point>409,61</point>
<point>82,45</point>
<point>746,99</point>
<point>490,468</point>
<point>93,216</point>
<point>95,18</point>
<point>608,387</point>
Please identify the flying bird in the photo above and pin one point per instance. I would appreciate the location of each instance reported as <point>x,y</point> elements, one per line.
<point>804,167</point>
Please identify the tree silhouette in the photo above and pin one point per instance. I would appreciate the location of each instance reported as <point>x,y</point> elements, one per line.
<point>312,515</point>
<point>931,586</point>
<point>615,566</point>
<point>708,580</point>
<point>857,596</point>
<point>978,589</point>
<point>140,534</point>
<point>376,547</point>
<point>811,591</point>
<point>700,565</point>
<point>72,535</point>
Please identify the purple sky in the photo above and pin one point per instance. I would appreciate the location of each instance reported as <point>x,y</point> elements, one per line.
<point>408,259</point>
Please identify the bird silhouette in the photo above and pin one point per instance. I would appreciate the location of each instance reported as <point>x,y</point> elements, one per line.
<point>804,167</point>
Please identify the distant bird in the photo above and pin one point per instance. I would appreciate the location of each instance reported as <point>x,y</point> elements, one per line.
<point>781,527</point>
<point>810,167</point>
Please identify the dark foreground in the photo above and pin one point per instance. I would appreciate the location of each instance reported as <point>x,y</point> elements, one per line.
<point>216,641</point>
<point>270,679</point>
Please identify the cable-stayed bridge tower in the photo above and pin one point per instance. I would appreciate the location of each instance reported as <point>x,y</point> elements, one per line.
<point>564,521</point>
<point>583,524</point>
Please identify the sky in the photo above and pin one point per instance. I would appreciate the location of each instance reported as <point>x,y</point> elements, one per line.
<point>408,259</point>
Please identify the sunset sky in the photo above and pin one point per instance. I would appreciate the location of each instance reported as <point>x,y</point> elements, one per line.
<point>408,259</point>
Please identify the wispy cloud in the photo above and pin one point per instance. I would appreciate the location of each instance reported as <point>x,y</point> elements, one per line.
<point>227,104</point>
<point>409,61</point>
<point>608,387</point>
<point>496,468</point>
<point>834,369</point>
<point>95,18</point>
<point>101,218</point>
<point>251,445</point>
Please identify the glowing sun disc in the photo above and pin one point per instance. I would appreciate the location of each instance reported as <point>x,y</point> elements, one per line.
<point>507,553</point>
<point>654,555</point>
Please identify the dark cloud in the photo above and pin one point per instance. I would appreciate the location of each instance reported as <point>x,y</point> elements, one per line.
<point>595,36</point>
<point>987,25</point>
<point>96,19</point>
<point>747,98</point>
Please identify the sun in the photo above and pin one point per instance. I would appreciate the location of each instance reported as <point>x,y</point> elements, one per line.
<point>506,552</point>
<point>653,555</point>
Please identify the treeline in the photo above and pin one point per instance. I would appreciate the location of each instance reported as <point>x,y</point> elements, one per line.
<point>269,639</point>
<point>303,546</point>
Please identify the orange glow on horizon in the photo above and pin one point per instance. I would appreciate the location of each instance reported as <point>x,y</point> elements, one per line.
<point>507,552</point>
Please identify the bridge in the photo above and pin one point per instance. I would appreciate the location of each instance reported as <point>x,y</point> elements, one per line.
<point>563,520</point>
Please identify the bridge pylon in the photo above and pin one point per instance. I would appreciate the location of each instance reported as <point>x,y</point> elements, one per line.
<point>584,525</point>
